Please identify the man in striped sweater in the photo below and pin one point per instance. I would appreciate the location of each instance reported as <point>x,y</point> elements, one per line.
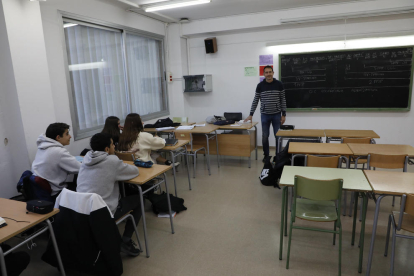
<point>272,107</point>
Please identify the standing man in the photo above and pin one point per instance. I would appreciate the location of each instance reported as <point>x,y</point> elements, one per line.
<point>272,107</point>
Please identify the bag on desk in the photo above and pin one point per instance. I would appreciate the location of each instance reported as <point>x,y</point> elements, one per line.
<point>143,164</point>
<point>224,122</point>
<point>236,116</point>
<point>160,203</point>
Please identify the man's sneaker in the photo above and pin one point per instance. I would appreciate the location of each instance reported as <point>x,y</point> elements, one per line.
<point>130,248</point>
<point>169,163</point>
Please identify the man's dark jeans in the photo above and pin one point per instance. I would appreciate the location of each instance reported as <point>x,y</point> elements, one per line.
<point>268,119</point>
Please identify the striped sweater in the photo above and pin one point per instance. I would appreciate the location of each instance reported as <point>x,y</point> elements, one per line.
<point>271,96</point>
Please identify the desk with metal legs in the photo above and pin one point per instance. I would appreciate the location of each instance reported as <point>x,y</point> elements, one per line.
<point>354,180</point>
<point>176,151</point>
<point>338,134</point>
<point>386,183</point>
<point>298,134</point>
<point>15,210</point>
<point>145,175</point>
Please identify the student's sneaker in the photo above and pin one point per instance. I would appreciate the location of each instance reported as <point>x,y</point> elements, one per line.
<point>169,163</point>
<point>130,248</point>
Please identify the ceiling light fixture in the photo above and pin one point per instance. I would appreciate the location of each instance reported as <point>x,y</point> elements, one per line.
<point>175,5</point>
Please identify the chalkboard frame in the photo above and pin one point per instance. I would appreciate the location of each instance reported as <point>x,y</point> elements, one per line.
<point>307,109</point>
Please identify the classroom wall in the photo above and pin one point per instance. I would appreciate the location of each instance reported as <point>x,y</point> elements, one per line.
<point>13,154</point>
<point>233,92</point>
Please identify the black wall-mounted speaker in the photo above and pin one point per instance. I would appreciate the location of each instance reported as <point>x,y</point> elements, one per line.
<point>211,45</point>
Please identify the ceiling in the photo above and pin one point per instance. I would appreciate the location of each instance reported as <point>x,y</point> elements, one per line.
<point>220,8</point>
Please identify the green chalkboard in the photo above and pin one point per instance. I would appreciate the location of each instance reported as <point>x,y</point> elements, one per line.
<point>348,80</point>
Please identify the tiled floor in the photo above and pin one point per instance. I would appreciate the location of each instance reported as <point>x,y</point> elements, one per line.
<point>231,227</point>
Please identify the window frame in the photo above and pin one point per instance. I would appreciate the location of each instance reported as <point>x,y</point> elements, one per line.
<point>95,23</point>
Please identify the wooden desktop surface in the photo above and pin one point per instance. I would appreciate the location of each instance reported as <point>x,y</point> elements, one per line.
<point>365,149</point>
<point>301,133</point>
<point>340,133</point>
<point>17,210</point>
<point>179,144</point>
<point>388,182</point>
<point>208,128</point>
<point>319,148</point>
<point>354,180</point>
<point>242,126</point>
<point>146,174</point>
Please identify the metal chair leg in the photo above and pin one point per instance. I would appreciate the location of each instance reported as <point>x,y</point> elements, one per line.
<point>394,236</point>
<point>388,236</point>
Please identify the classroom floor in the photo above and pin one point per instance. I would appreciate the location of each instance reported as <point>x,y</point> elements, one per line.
<point>232,226</point>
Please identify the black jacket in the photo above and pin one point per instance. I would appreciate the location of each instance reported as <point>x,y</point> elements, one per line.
<point>86,234</point>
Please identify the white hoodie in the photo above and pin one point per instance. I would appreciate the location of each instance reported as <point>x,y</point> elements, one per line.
<point>54,163</point>
<point>100,173</point>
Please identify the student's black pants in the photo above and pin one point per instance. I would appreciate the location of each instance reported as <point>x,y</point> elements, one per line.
<point>125,205</point>
<point>16,262</point>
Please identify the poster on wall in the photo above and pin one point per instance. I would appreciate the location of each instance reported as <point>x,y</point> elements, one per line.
<point>262,69</point>
<point>265,60</point>
<point>250,71</point>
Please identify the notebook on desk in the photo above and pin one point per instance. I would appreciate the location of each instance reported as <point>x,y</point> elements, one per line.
<point>171,142</point>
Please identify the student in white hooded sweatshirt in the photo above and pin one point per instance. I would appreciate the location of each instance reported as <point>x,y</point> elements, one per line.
<point>100,172</point>
<point>53,162</point>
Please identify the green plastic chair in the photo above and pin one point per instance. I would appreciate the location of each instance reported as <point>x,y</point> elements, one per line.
<point>317,203</point>
<point>180,120</point>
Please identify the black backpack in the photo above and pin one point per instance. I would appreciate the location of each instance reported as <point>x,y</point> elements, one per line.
<point>167,122</point>
<point>267,177</point>
<point>160,203</point>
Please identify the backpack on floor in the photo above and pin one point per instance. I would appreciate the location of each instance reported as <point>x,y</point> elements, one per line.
<point>160,203</point>
<point>267,177</point>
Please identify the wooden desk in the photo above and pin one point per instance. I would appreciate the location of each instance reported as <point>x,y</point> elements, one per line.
<point>354,180</point>
<point>17,210</point>
<point>199,140</point>
<point>175,152</point>
<point>145,175</point>
<point>319,149</point>
<point>338,134</point>
<point>365,149</point>
<point>298,133</point>
<point>386,183</point>
<point>240,141</point>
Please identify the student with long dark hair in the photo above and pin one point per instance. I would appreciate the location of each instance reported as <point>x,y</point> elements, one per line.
<point>133,139</point>
<point>113,127</point>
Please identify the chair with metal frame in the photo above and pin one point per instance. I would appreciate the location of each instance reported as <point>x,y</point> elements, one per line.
<point>315,201</point>
<point>323,161</point>
<point>398,222</point>
<point>385,161</point>
<point>193,150</point>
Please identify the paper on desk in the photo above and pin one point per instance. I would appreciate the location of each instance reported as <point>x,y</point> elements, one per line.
<point>185,127</point>
<point>235,125</point>
<point>200,125</point>
<point>164,128</point>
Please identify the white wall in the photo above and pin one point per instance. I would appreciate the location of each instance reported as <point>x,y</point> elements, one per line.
<point>232,92</point>
<point>53,34</point>
<point>13,155</point>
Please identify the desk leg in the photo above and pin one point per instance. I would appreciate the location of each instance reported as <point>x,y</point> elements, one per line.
<point>188,167</point>
<point>362,234</point>
<point>173,167</point>
<point>250,162</point>
<point>208,155</point>
<point>144,223</point>
<point>282,219</point>
<point>55,246</point>
<point>374,230</point>
<point>286,208</point>
<point>355,217</point>
<point>169,204</point>
<point>255,142</point>
<point>2,263</point>
<point>218,161</point>
<point>279,144</point>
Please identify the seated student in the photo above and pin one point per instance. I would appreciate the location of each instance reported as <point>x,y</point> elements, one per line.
<point>143,144</point>
<point>113,127</point>
<point>99,173</point>
<point>53,162</point>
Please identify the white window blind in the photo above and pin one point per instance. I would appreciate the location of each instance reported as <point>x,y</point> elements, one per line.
<point>106,82</point>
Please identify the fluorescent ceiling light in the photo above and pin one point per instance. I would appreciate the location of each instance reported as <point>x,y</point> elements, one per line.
<point>380,12</point>
<point>67,25</point>
<point>175,5</point>
<point>129,3</point>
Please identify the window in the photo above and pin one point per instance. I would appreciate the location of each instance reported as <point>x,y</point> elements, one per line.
<point>112,72</point>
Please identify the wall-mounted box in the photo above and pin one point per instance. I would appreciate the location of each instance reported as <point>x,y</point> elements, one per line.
<point>198,83</point>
